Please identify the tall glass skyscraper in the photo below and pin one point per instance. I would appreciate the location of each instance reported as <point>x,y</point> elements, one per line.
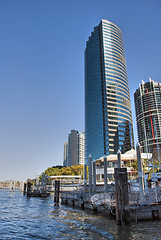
<point>148,115</point>
<point>108,118</point>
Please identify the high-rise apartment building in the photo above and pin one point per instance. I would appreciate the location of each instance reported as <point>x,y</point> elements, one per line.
<point>148,115</point>
<point>74,149</point>
<point>81,150</point>
<point>108,118</point>
<point>65,154</point>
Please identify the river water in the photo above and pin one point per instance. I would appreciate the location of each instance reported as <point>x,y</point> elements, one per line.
<point>36,218</point>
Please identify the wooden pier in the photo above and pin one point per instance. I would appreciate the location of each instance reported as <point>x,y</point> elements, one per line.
<point>139,208</point>
<point>37,190</point>
<point>123,200</point>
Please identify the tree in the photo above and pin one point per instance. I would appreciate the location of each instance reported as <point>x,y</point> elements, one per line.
<point>60,170</point>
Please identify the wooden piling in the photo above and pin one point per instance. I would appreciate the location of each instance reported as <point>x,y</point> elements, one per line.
<point>90,175</point>
<point>24,189</point>
<point>105,174</point>
<point>28,189</point>
<point>85,178</point>
<point>122,197</point>
<point>73,203</point>
<point>94,176</point>
<point>57,191</point>
<point>119,165</point>
<point>82,205</point>
<point>140,169</point>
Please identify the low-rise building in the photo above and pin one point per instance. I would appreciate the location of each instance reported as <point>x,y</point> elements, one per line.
<point>126,158</point>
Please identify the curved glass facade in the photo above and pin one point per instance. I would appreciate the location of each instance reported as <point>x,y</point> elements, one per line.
<point>148,115</point>
<point>108,119</point>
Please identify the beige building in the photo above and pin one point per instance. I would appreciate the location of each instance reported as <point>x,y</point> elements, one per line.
<point>65,154</point>
<point>74,149</point>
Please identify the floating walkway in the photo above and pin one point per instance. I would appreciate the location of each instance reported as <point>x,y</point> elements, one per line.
<point>146,206</point>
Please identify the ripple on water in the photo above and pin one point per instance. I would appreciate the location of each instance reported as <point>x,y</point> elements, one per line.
<point>35,218</point>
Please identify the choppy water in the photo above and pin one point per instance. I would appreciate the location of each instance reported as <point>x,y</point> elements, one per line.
<point>36,218</point>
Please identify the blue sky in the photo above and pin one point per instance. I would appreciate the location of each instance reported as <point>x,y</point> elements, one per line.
<point>42,45</point>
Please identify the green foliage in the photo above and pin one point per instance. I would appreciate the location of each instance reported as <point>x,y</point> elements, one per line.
<point>60,170</point>
<point>134,165</point>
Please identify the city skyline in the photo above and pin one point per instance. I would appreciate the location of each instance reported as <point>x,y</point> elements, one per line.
<point>108,118</point>
<point>42,72</point>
